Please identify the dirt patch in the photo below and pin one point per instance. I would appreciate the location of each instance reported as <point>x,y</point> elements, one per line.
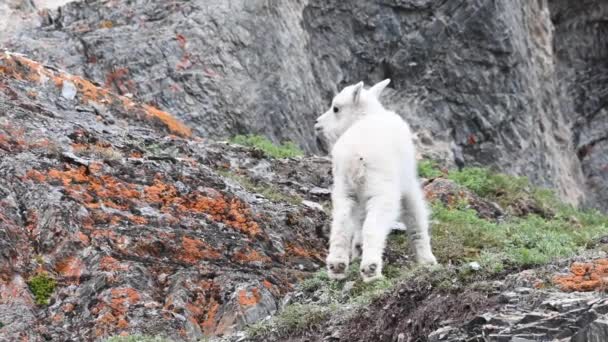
<point>414,311</point>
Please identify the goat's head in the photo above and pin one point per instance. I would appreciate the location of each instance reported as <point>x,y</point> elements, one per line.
<point>347,107</point>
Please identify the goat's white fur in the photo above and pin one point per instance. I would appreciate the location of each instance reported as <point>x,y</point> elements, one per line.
<point>375,181</point>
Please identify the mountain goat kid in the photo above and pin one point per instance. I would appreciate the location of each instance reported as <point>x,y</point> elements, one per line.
<point>375,181</point>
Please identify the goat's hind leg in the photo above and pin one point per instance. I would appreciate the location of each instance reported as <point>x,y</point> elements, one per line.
<point>341,235</point>
<point>357,242</point>
<point>415,215</point>
<point>382,212</point>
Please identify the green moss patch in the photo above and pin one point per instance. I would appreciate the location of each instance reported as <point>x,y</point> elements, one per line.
<point>42,286</point>
<point>284,150</point>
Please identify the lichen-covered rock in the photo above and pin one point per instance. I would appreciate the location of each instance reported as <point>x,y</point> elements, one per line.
<point>143,227</point>
<point>452,194</point>
<point>584,276</point>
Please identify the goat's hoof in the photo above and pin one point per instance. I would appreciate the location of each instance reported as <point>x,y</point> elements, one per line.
<point>337,269</point>
<point>427,260</point>
<point>370,271</point>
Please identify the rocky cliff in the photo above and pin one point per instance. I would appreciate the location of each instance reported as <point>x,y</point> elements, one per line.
<point>120,214</point>
<point>517,85</point>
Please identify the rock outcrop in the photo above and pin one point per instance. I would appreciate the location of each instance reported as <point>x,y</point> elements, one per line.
<point>142,228</point>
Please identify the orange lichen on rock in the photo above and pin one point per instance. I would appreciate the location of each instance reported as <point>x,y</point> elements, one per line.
<point>194,250</point>
<point>175,126</point>
<point>110,264</point>
<point>120,79</point>
<point>98,192</point>
<point>249,255</point>
<point>297,250</point>
<point>82,237</point>
<point>13,139</point>
<point>589,276</point>
<point>137,219</point>
<point>160,193</point>
<point>209,324</point>
<point>122,298</point>
<point>94,191</point>
<point>71,268</point>
<point>203,309</point>
<point>22,68</point>
<point>113,314</point>
<point>249,300</point>
<point>69,176</point>
<point>104,323</point>
<point>35,176</point>
<point>232,212</point>
<point>136,154</point>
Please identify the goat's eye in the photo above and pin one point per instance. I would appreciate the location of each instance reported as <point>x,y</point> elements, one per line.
<point>336,109</point>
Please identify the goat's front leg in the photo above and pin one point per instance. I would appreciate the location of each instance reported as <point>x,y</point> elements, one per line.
<point>341,234</point>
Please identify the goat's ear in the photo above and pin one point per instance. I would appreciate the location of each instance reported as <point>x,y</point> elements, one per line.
<point>377,89</point>
<point>357,92</point>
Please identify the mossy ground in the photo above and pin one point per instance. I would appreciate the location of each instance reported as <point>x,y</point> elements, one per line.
<point>284,150</point>
<point>429,169</point>
<point>460,239</point>
<point>42,286</point>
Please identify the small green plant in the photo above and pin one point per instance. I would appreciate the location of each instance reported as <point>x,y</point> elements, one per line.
<point>293,319</point>
<point>137,338</point>
<point>42,287</point>
<point>285,150</point>
<point>1,325</point>
<point>489,184</point>
<point>459,236</point>
<point>508,191</point>
<point>364,293</point>
<point>428,169</point>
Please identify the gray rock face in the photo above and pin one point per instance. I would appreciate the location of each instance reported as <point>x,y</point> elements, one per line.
<point>581,55</point>
<point>594,332</point>
<point>479,73</point>
<point>535,316</point>
<point>518,85</point>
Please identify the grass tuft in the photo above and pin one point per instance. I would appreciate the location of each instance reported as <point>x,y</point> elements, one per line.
<point>294,319</point>
<point>428,169</point>
<point>285,150</point>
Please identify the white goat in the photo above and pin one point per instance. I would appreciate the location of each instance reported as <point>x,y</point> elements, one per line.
<point>375,181</point>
